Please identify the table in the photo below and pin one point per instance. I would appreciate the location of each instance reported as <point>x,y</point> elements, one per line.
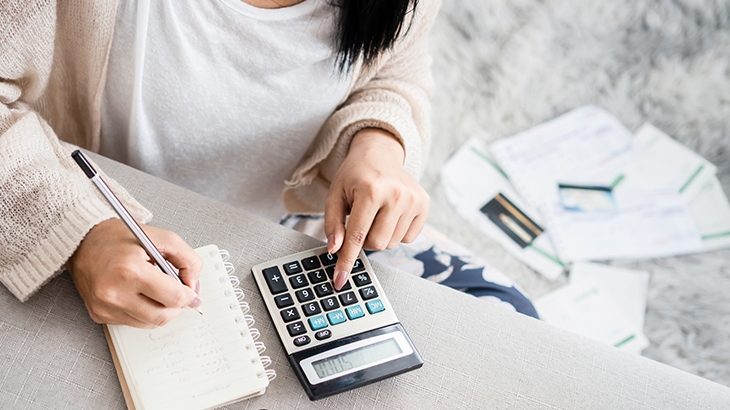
<point>477,354</point>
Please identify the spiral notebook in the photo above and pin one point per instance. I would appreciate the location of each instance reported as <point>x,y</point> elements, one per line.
<point>196,361</point>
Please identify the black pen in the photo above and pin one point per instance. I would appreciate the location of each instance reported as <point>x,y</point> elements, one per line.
<point>133,226</point>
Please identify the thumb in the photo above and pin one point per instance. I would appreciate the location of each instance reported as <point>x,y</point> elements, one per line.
<point>335,212</point>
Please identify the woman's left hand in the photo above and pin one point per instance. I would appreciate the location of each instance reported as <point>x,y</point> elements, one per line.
<point>386,205</point>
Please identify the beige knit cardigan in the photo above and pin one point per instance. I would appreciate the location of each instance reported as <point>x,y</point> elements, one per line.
<point>53,58</point>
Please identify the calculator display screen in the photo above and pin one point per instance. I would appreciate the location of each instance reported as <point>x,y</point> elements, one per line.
<point>356,358</point>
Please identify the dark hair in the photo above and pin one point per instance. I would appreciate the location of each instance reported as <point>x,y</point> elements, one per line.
<point>366,28</point>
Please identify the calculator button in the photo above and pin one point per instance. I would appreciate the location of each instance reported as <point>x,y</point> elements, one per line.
<point>323,289</point>
<point>304,295</point>
<point>354,312</point>
<point>317,322</point>
<point>375,306</point>
<point>329,303</point>
<point>311,308</point>
<point>274,280</point>
<point>292,268</point>
<point>368,293</point>
<point>323,334</point>
<point>358,266</point>
<point>283,301</point>
<point>346,286</point>
<point>348,298</point>
<point>290,314</point>
<point>302,340</point>
<point>311,263</point>
<point>328,259</point>
<point>298,281</point>
<point>296,328</point>
<point>336,317</point>
<point>317,276</point>
<point>330,272</point>
<point>361,279</point>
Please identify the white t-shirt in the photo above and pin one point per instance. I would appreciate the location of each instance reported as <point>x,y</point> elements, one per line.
<point>218,96</point>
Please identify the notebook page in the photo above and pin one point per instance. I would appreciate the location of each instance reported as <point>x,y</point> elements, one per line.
<point>195,361</point>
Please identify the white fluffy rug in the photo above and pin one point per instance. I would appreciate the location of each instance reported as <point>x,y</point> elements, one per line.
<point>502,66</point>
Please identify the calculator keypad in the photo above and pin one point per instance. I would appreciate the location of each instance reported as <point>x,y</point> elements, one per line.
<point>311,279</point>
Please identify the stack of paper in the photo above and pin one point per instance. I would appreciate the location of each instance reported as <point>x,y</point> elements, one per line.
<point>603,194</point>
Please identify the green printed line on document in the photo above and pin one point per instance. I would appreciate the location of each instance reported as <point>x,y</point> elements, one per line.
<point>715,235</point>
<point>547,255</point>
<point>689,181</point>
<point>623,342</point>
<point>617,181</point>
<point>489,161</point>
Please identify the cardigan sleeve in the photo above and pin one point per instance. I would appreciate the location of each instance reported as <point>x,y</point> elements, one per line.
<point>47,205</point>
<point>392,94</point>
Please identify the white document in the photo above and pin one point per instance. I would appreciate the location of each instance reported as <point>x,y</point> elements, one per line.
<point>711,214</point>
<point>585,141</point>
<point>660,164</point>
<point>471,179</point>
<point>628,288</point>
<point>660,228</point>
<point>586,309</point>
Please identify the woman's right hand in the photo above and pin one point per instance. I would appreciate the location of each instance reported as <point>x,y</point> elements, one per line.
<point>121,284</point>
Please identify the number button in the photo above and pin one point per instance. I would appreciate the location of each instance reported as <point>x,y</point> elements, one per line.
<point>348,298</point>
<point>304,295</point>
<point>311,308</point>
<point>274,280</point>
<point>317,276</point>
<point>298,281</point>
<point>375,306</point>
<point>317,322</point>
<point>283,301</point>
<point>358,266</point>
<point>289,314</point>
<point>368,293</point>
<point>323,289</point>
<point>292,268</point>
<point>330,272</point>
<point>329,303</point>
<point>311,263</point>
<point>346,286</point>
<point>328,259</point>
<point>296,328</point>
<point>354,312</point>
<point>302,340</point>
<point>362,279</point>
<point>336,317</point>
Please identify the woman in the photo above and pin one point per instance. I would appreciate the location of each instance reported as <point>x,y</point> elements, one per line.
<point>357,150</point>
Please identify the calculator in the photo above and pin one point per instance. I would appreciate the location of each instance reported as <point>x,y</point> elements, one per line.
<point>334,340</point>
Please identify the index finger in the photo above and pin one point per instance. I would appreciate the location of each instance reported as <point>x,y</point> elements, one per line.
<point>161,288</point>
<point>361,219</point>
<point>180,255</point>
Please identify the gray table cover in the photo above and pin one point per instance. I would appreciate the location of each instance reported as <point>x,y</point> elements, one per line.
<point>477,355</point>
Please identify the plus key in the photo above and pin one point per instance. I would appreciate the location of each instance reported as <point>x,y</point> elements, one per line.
<point>274,280</point>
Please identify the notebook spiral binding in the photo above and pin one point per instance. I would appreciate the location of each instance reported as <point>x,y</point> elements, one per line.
<point>248,319</point>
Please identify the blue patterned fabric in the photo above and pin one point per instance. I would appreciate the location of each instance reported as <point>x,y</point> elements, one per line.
<point>435,257</point>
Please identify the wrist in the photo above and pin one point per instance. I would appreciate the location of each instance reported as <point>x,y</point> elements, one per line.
<point>378,141</point>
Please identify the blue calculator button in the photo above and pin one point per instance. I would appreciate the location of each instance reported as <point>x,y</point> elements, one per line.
<point>317,322</point>
<point>354,312</point>
<point>375,306</point>
<point>336,317</point>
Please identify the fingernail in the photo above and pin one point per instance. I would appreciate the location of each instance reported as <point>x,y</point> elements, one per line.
<point>195,303</point>
<point>197,287</point>
<point>330,243</point>
<point>340,279</point>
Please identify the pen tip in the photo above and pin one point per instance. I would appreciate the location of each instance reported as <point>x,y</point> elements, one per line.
<point>197,309</point>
